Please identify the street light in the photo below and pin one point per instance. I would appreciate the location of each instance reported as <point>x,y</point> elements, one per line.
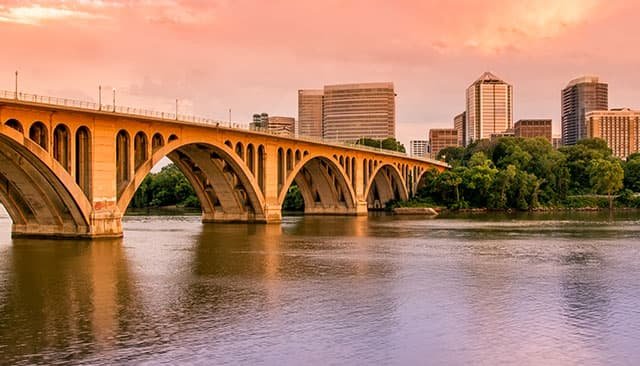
<point>99,97</point>
<point>114,100</point>
<point>176,109</point>
<point>16,95</point>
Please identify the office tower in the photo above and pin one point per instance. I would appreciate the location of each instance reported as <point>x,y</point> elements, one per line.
<point>460,124</point>
<point>353,111</point>
<point>282,125</point>
<point>439,138</point>
<point>260,122</point>
<point>418,148</point>
<point>489,107</point>
<point>556,141</point>
<point>310,113</point>
<point>533,128</point>
<point>620,128</point>
<point>579,97</point>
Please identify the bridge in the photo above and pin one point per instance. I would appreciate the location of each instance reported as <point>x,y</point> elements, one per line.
<point>70,168</point>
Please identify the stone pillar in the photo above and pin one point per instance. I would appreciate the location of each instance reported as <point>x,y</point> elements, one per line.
<point>272,209</point>
<point>106,218</point>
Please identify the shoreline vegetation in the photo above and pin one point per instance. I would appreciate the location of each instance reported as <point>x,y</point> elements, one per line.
<point>504,175</point>
<point>527,174</point>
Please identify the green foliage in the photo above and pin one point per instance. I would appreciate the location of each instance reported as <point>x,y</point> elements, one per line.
<point>387,144</point>
<point>293,201</point>
<point>168,187</point>
<point>632,173</point>
<point>524,174</point>
<point>452,155</point>
<point>579,158</point>
<point>606,177</point>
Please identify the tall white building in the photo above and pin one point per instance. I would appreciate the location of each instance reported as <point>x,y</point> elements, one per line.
<point>419,148</point>
<point>489,107</point>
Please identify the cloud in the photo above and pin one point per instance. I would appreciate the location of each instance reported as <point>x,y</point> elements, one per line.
<point>37,14</point>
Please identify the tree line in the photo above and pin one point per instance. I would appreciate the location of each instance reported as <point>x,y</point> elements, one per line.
<point>528,173</point>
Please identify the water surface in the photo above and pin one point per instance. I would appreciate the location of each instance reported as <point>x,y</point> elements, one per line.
<point>479,289</point>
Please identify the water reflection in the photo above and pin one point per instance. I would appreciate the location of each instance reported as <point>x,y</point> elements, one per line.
<point>62,297</point>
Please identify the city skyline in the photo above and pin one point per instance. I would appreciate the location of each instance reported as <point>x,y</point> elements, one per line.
<point>194,52</point>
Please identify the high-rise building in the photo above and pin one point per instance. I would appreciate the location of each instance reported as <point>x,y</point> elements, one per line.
<point>310,112</point>
<point>556,141</point>
<point>439,138</point>
<point>353,111</point>
<point>460,124</point>
<point>282,125</point>
<point>533,128</point>
<point>579,97</point>
<point>260,122</point>
<point>620,128</point>
<point>489,107</point>
<point>418,148</point>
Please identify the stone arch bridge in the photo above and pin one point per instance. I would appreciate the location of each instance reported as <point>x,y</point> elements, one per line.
<point>70,169</point>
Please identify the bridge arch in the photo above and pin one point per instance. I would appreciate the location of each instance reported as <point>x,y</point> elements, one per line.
<point>226,188</point>
<point>324,186</point>
<point>386,183</point>
<point>40,197</point>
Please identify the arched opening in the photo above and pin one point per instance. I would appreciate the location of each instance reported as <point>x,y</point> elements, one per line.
<point>173,138</point>
<point>281,171</point>
<point>123,173</point>
<point>261,163</point>
<point>61,146</point>
<point>228,143</point>
<point>324,188</point>
<point>365,172</point>
<point>353,172</point>
<point>251,159</point>
<point>140,149</point>
<point>83,160</point>
<point>347,166</point>
<point>157,141</point>
<point>15,124</point>
<point>38,134</point>
<point>298,156</point>
<point>240,150</point>
<point>289,161</point>
<point>385,186</point>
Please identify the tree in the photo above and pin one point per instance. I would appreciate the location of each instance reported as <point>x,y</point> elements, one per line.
<point>606,176</point>
<point>579,158</point>
<point>632,173</point>
<point>452,155</point>
<point>293,201</point>
<point>387,144</point>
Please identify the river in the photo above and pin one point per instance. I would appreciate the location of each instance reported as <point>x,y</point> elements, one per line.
<point>477,289</point>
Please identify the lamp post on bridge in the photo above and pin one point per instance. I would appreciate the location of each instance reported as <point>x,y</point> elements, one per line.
<point>16,93</point>
<point>99,97</point>
<point>114,100</point>
<point>176,109</point>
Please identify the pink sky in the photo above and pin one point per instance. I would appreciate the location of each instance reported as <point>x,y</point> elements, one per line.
<point>253,56</point>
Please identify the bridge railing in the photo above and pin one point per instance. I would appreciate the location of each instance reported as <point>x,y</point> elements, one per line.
<point>141,112</point>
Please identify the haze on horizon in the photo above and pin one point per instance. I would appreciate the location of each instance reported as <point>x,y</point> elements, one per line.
<point>253,56</point>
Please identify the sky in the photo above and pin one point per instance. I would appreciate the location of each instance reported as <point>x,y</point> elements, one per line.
<point>253,56</point>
